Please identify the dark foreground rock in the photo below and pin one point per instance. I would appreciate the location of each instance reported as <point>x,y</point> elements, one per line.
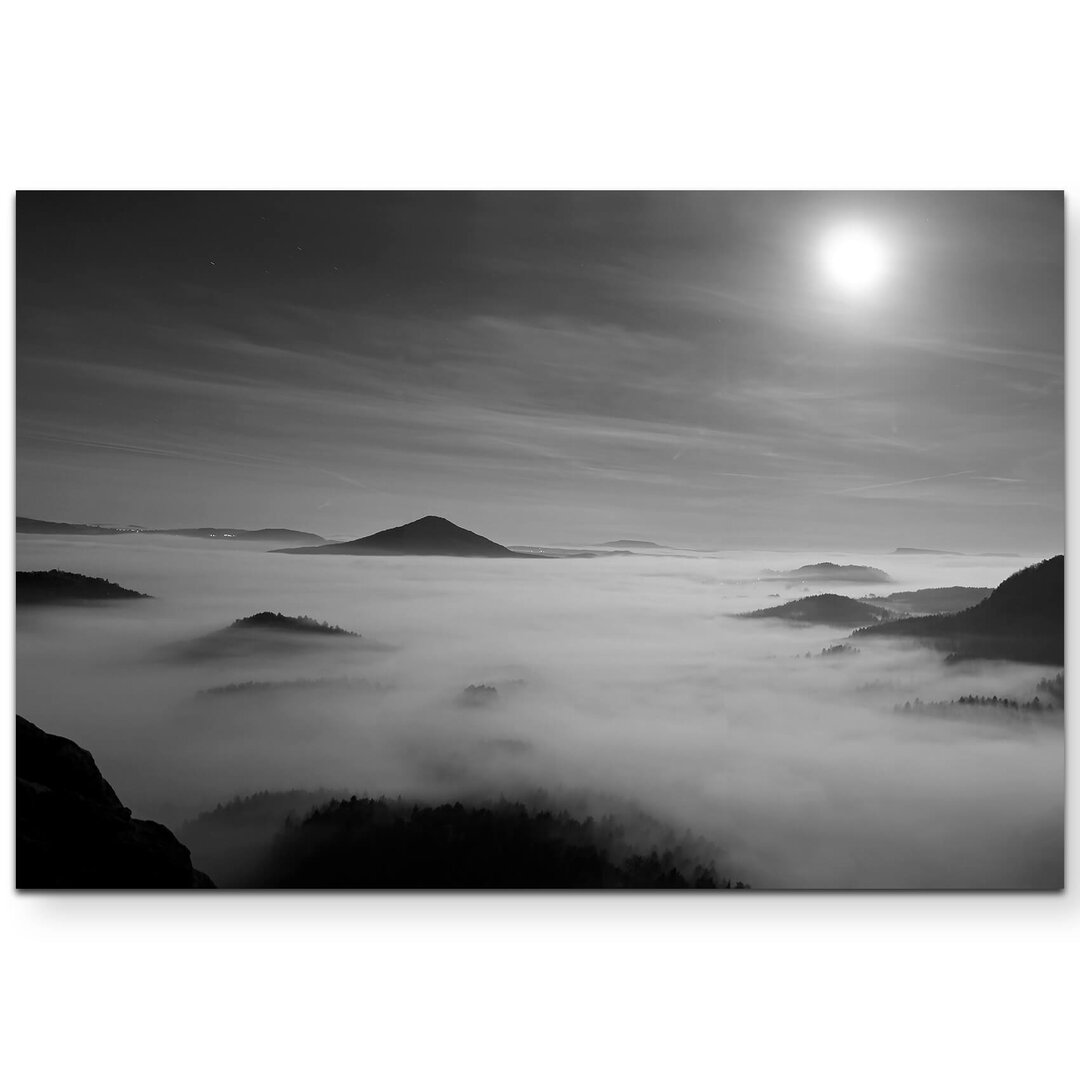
<point>72,831</point>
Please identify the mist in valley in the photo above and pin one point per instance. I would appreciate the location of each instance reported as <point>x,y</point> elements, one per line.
<point>619,681</point>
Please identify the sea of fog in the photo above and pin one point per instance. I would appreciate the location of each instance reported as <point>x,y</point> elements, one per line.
<point>619,678</point>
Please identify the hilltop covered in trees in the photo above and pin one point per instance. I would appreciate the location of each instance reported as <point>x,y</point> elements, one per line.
<point>274,620</point>
<point>399,844</point>
<point>306,839</point>
<point>1023,619</point>
<point>939,601</point>
<point>826,609</point>
<point>65,587</point>
<point>265,633</point>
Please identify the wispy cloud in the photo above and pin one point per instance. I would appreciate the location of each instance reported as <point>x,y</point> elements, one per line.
<point>900,483</point>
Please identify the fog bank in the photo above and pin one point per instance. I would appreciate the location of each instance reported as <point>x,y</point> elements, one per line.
<point>621,677</point>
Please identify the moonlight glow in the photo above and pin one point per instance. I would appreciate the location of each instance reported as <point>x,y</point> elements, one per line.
<point>855,258</point>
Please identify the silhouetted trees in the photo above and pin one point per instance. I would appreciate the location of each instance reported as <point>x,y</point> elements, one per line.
<point>274,620</point>
<point>478,694</point>
<point>1023,619</point>
<point>65,587</point>
<point>1053,687</point>
<point>398,844</point>
<point>974,701</point>
<point>272,686</point>
<point>828,609</point>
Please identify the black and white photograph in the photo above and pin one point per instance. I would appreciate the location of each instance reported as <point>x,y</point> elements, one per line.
<point>540,540</point>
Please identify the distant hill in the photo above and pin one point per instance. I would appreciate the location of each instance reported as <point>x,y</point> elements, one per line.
<point>244,536</point>
<point>931,601</point>
<point>1023,619</point>
<point>828,571</point>
<point>566,553</point>
<point>826,609</point>
<point>252,536</point>
<point>65,587</point>
<point>922,551</point>
<point>72,832</point>
<point>630,544</point>
<point>66,528</point>
<point>425,536</point>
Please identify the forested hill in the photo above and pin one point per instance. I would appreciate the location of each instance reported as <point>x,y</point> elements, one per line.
<point>1023,619</point>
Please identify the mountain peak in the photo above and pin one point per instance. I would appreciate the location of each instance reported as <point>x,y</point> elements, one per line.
<point>430,535</point>
<point>432,522</point>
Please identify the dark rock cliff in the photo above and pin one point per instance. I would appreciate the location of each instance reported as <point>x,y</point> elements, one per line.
<point>72,832</point>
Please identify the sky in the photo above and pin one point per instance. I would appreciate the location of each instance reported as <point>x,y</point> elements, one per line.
<point>547,367</point>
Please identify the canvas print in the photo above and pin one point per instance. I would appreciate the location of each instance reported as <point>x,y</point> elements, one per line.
<point>540,540</point>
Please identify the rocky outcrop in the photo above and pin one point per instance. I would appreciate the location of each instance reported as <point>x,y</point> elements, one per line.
<point>73,832</point>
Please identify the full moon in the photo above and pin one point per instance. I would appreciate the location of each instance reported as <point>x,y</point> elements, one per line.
<point>855,259</point>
